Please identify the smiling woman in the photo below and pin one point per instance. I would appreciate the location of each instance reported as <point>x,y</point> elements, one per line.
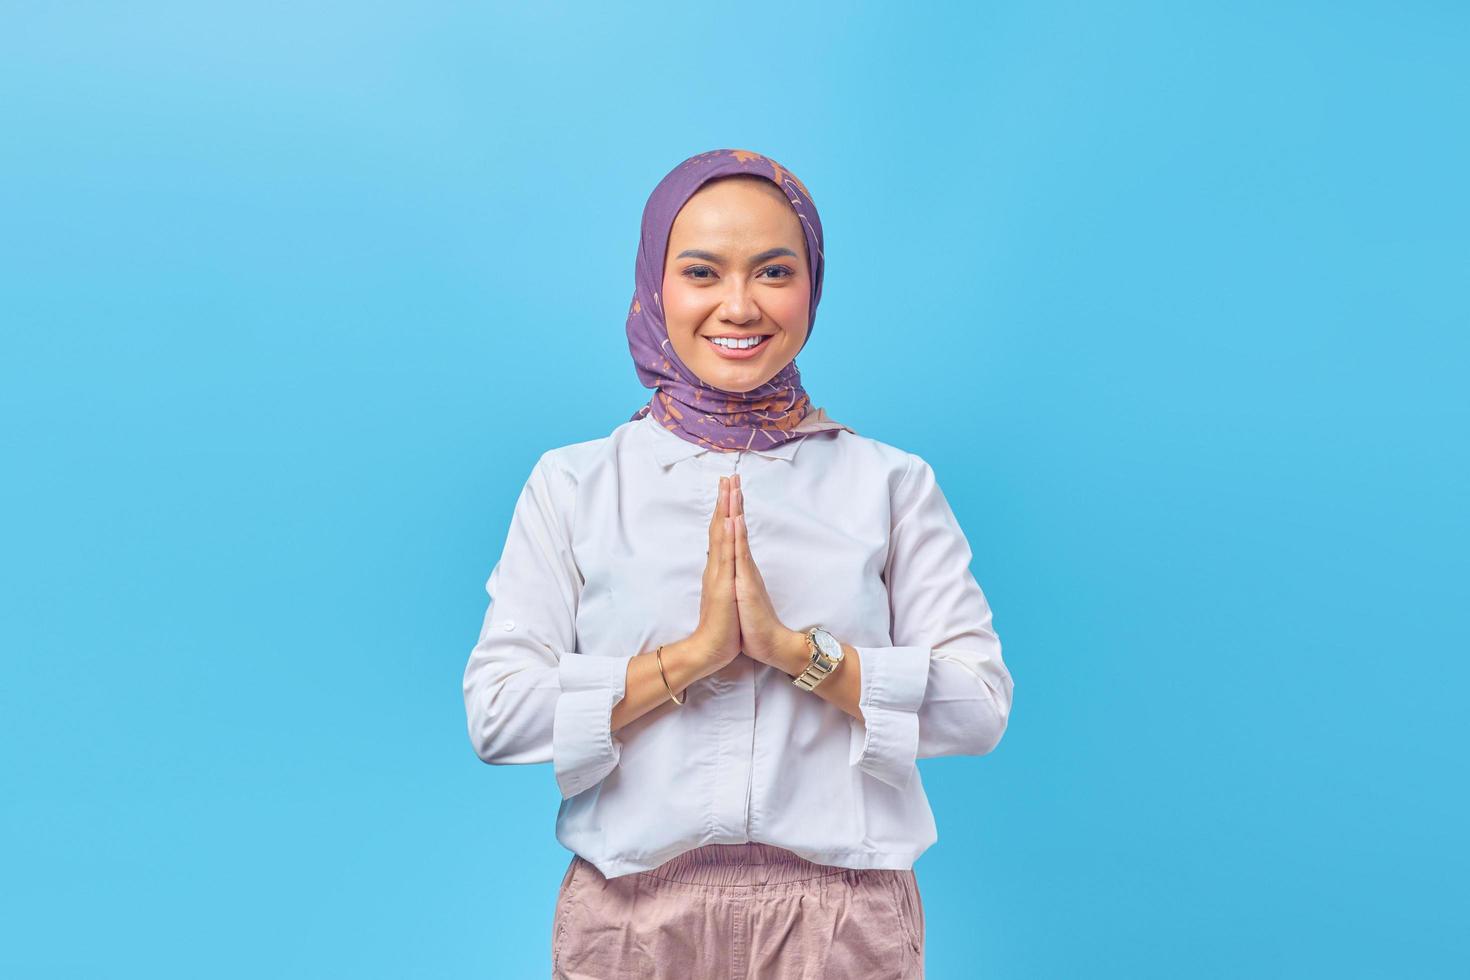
<point>733,625</point>
<point>737,284</point>
<point>731,253</point>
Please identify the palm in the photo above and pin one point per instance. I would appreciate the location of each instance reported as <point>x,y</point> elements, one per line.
<point>760,628</point>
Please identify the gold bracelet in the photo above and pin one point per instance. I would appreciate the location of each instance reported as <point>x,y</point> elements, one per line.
<point>659,656</point>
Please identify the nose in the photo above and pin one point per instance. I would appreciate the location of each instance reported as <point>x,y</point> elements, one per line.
<point>739,304</point>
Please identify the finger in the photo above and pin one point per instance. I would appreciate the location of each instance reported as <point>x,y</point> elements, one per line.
<point>715,547</point>
<point>722,508</point>
<point>745,565</point>
<point>742,544</point>
<point>727,549</point>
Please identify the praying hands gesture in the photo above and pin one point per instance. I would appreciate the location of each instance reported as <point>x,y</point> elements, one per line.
<point>736,614</point>
<point>763,636</point>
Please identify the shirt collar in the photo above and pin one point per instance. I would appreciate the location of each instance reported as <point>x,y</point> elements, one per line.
<point>670,448</point>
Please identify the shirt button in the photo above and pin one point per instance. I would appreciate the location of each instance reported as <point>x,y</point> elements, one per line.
<point>508,625</point>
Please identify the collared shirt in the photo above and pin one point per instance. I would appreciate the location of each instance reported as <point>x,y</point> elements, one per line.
<point>604,560</point>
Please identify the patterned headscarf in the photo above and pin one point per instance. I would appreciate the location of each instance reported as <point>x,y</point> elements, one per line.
<point>683,403</point>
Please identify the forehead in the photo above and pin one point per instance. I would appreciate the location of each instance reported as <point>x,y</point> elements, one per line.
<point>738,208</point>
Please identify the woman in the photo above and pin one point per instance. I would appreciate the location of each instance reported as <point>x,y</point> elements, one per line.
<point>732,626</point>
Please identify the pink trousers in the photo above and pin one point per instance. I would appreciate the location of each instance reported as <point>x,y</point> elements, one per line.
<point>726,911</point>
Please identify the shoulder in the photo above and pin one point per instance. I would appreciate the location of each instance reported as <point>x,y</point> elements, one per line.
<point>874,459</point>
<point>912,485</point>
<point>571,464</point>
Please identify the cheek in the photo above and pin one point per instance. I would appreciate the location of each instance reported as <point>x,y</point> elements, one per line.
<point>684,310</point>
<point>790,309</point>
<point>684,314</point>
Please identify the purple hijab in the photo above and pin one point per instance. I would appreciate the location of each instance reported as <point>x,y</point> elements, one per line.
<point>765,416</point>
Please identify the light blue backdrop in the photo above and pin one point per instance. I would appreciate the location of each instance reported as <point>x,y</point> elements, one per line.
<point>1173,297</point>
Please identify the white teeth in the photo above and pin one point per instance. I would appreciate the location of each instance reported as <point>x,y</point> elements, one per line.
<point>737,344</point>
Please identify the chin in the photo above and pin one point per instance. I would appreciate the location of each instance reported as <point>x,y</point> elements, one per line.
<point>735,381</point>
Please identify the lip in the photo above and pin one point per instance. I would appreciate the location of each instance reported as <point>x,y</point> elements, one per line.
<point>739,355</point>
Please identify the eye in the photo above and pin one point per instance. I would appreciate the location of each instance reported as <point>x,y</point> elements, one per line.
<point>689,272</point>
<point>779,268</point>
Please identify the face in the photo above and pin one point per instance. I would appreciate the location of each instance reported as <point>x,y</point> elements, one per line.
<point>737,269</point>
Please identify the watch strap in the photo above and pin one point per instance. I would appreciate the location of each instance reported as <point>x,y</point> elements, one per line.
<point>819,667</point>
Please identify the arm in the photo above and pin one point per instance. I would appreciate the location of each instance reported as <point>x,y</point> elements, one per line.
<point>645,687</point>
<point>843,689</point>
<point>529,696</point>
<point>942,687</point>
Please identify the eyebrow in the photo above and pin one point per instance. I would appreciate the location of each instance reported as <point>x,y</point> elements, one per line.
<point>770,253</point>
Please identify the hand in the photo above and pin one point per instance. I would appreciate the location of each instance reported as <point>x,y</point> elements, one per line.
<point>717,638</point>
<point>762,634</point>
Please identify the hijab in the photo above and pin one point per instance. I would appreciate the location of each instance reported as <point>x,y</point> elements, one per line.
<point>773,413</point>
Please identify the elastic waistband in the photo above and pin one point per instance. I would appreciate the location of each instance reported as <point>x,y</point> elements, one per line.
<point>752,862</point>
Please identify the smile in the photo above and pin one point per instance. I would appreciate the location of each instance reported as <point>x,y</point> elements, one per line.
<point>737,353</point>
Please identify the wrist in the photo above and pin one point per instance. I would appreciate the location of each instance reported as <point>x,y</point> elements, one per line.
<point>796,653</point>
<point>684,663</point>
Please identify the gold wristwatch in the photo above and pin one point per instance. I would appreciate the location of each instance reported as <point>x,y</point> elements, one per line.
<point>826,657</point>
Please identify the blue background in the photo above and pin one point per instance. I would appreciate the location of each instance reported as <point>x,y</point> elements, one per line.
<point>1173,297</point>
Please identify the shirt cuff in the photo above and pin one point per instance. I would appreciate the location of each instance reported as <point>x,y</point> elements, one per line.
<point>892,685</point>
<point>583,749</point>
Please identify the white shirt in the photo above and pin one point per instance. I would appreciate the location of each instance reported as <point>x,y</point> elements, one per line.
<point>603,560</point>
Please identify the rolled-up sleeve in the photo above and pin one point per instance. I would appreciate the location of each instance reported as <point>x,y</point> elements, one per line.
<point>942,688</point>
<point>529,695</point>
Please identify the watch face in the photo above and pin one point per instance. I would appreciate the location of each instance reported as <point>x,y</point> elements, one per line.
<point>828,644</point>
